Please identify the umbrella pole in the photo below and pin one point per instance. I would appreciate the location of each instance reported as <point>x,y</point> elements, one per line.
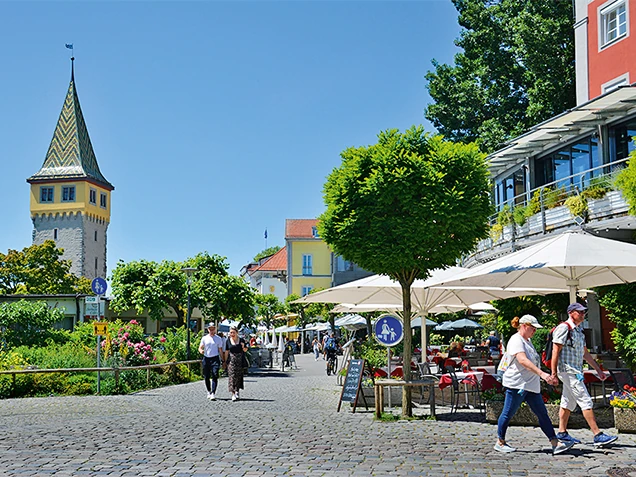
<point>423,337</point>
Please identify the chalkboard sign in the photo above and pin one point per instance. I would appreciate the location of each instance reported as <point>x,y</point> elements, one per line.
<point>351,386</point>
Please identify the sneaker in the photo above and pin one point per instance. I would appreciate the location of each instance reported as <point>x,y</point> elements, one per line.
<point>237,395</point>
<point>601,439</point>
<point>562,447</point>
<point>505,448</point>
<point>565,437</point>
<point>209,395</point>
<point>234,398</point>
<point>212,397</point>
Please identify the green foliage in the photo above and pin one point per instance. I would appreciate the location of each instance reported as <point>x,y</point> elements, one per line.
<point>374,354</point>
<point>620,302</point>
<point>515,69</point>
<point>545,308</point>
<point>267,253</point>
<point>519,215</point>
<point>554,197</point>
<point>626,183</point>
<point>435,339</point>
<point>598,188</point>
<point>577,205</point>
<point>268,306</point>
<point>27,322</point>
<point>38,269</point>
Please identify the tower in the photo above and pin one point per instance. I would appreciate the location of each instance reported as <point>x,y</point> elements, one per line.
<point>70,198</point>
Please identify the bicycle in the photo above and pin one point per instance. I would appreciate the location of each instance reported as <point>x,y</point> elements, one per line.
<point>332,363</point>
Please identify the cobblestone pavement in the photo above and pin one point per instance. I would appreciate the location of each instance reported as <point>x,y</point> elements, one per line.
<point>284,424</point>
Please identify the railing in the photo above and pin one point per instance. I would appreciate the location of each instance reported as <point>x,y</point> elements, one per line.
<point>117,371</point>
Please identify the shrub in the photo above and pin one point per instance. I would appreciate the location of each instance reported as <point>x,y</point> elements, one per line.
<point>620,303</point>
<point>577,205</point>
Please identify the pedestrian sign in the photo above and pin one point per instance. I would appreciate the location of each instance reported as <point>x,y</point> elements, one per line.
<point>388,330</point>
<point>99,286</point>
<point>100,328</point>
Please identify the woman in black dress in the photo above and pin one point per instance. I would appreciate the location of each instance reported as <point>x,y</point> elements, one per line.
<point>236,348</point>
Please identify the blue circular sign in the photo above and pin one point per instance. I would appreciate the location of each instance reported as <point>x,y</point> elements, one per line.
<point>388,330</point>
<point>99,286</point>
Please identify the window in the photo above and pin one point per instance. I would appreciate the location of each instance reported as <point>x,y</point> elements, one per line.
<point>54,234</point>
<point>92,196</point>
<point>511,188</point>
<point>574,159</point>
<point>68,194</point>
<point>621,142</point>
<point>46,194</point>
<point>307,265</point>
<point>306,290</point>
<point>96,267</point>
<point>314,232</point>
<point>96,236</point>
<point>102,200</point>
<point>613,22</point>
<point>616,83</point>
<point>343,265</point>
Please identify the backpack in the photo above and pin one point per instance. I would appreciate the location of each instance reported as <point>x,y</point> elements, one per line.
<point>546,356</point>
<point>330,344</point>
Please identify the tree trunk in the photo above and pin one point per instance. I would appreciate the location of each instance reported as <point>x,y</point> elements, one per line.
<point>369,328</point>
<point>407,410</point>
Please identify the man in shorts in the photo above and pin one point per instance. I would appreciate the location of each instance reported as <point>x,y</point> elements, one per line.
<point>569,351</point>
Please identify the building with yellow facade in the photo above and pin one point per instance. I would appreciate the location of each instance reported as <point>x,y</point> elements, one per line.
<point>70,198</point>
<point>308,257</point>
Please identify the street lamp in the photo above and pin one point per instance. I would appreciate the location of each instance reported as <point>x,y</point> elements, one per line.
<point>189,271</point>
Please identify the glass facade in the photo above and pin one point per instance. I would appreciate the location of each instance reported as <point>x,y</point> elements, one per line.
<point>569,166</point>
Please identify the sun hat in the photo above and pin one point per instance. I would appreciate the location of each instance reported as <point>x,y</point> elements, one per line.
<point>530,320</point>
<point>576,307</point>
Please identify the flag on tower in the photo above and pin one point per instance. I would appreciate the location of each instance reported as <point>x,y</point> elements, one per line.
<point>265,233</point>
<point>69,46</point>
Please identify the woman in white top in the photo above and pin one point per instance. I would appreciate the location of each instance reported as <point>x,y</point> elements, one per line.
<point>522,381</point>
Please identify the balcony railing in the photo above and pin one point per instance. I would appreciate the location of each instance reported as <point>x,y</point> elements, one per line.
<point>543,209</point>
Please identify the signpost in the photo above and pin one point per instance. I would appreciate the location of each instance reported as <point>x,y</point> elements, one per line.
<point>388,331</point>
<point>100,328</point>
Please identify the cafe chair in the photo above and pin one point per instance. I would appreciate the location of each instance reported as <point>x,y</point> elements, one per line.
<point>621,377</point>
<point>465,387</point>
<point>426,374</point>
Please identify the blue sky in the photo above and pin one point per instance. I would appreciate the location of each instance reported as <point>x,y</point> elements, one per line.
<point>213,120</point>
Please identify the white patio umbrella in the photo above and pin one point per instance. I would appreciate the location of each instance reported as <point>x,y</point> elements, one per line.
<point>266,339</point>
<point>571,260</point>
<point>274,341</point>
<point>380,289</point>
<point>417,322</point>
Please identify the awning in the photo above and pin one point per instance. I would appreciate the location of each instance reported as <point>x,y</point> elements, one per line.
<point>579,121</point>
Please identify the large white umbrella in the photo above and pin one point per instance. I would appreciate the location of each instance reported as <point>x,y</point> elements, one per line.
<point>571,260</point>
<point>380,289</point>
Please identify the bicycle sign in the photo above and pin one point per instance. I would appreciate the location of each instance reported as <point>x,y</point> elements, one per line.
<point>388,330</point>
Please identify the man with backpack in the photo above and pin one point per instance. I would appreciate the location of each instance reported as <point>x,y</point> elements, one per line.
<point>568,352</point>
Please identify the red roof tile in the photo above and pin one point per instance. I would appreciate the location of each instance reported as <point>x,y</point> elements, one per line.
<point>300,228</point>
<point>276,262</point>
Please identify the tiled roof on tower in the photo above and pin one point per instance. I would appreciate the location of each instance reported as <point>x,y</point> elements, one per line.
<point>71,155</point>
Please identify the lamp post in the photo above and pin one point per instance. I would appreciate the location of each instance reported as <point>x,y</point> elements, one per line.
<point>189,271</point>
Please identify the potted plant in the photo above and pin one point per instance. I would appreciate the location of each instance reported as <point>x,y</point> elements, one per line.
<point>624,405</point>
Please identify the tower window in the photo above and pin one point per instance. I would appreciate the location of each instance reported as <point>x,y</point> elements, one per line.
<point>54,234</point>
<point>96,236</point>
<point>613,22</point>
<point>96,266</point>
<point>46,194</point>
<point>102,200</point>
<point>92,196</point>
<point>68,194</point>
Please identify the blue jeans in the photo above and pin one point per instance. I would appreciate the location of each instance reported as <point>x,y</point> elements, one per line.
<point>511,405</point>
<point>211,370</point>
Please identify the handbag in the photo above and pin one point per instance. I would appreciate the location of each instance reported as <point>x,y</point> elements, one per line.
<point>504,364</point>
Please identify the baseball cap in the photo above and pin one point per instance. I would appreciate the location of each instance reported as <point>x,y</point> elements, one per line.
<point>576,307</point>
<point>211,325</point>
<point>530,320</point>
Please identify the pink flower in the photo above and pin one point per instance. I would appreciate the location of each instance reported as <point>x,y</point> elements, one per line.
<point>134,322</point>
<point>163,339</point>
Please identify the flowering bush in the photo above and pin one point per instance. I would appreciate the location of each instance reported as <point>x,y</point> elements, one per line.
<point>129,347</point>
<point>625,398</point>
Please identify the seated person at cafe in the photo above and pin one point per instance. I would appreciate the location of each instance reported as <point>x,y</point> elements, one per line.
<point>456,350</point>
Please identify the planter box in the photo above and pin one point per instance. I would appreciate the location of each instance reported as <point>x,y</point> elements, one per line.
<point>525,416</point>
<point>625,420</point>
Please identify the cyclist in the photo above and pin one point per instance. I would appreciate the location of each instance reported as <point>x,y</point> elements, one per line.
<point>331,351</point>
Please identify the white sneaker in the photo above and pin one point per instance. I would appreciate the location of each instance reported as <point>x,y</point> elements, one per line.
<point>212,397</point>
<point>234,398</point>
<point>505,448</point>
<point>237,395</point>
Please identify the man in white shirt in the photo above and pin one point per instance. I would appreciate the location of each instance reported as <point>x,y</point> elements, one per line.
<point>211,347</point>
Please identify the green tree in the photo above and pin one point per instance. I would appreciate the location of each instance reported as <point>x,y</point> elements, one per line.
<point>267,307</point>
<point>267,252</point>
<point>308,312</point>
<point>620,302</point>
<point>39,270</point>
<point>147,285</point>
<point>515,70</point>
<point>407,205</point>
<point>626,182</point>
<point>27,323</point>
